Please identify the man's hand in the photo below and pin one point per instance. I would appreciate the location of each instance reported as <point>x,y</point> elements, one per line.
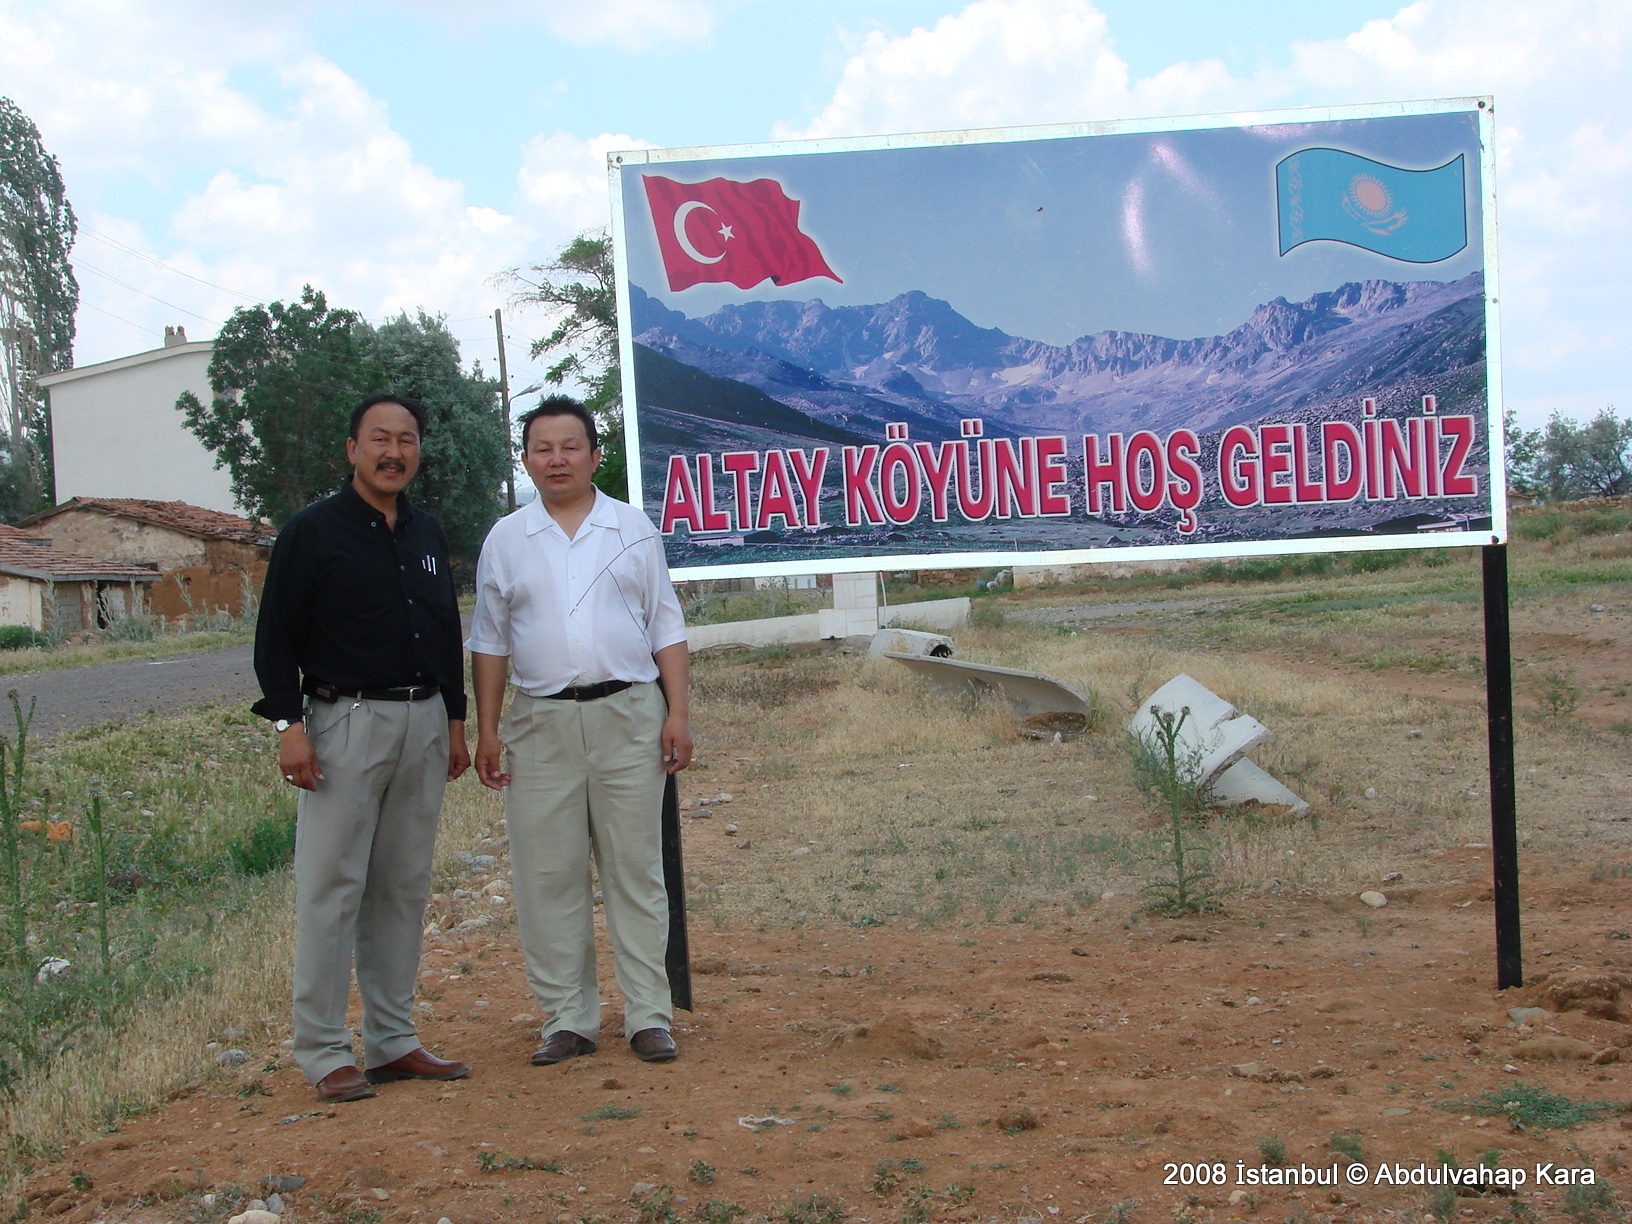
<point>489,756</point>
<point>297,759</point>
<point>458,749</point>
<point>676,742</point>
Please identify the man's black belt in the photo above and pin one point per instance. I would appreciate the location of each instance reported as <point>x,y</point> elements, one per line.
<point>590,692</point>
<point>333,692</point>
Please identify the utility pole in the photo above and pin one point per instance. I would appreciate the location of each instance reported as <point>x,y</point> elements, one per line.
<point>504,400</point>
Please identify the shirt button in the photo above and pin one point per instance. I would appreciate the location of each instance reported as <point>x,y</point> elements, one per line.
<point>410,601</point>
<point>402,567</point>
<point>416,637</point>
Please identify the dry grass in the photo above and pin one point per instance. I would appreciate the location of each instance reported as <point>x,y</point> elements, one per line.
<point>245,944</point>
<point>887,802</point>
<point>108,1076</point>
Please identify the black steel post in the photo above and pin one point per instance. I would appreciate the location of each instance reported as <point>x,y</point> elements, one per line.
<point>1504,830</point>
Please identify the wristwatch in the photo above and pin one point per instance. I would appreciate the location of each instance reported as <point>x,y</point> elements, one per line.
<point>283,724</point>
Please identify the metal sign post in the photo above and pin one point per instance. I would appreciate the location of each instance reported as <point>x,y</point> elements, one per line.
<point>1504,834</point>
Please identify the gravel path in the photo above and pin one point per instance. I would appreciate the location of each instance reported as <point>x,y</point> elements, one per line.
<point>1082,614</point>
<point>76,697</point>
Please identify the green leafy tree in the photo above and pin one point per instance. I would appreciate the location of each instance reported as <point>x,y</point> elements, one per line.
<point>38,297</point>
<point>1593,459</point>
<point>578,287</point>
<point>284,378</point>
<point>1523,455</point>
<point>466,451</point>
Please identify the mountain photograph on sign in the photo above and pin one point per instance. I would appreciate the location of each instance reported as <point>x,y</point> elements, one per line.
<point>770,374</point>
<point>1201,340</point>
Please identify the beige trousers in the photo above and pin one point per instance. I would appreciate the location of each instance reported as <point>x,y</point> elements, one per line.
<point>587,777</point>
<point>363,846</point>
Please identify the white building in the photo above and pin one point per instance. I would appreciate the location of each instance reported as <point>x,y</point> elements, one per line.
<point>115,430</point>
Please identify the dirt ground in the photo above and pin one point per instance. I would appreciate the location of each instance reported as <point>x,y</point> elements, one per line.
<point>1113,1067</point>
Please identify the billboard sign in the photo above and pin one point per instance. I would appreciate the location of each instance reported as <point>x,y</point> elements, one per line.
<point>1215,337</point>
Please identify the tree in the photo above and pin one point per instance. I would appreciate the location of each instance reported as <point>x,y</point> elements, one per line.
<point>1523,455</point>
<point>1590,460</point>
<point>466,453</point>
<point>1567,459</point>
<point>38,295</point>
<point>284,379</point>
<point>579,286</point>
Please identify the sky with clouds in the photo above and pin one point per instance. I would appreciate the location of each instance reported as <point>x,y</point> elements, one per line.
<point>399,154</point>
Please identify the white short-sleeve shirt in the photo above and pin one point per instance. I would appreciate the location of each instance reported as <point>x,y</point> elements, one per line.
<point>568,612</point>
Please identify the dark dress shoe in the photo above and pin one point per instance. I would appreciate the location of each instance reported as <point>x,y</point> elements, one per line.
<point>654,1045</point>
<point>419,1065</point>
<point>560,1046</point>
<point>344,1084</point>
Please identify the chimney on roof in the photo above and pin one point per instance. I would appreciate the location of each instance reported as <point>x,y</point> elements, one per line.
<point>174,336</point>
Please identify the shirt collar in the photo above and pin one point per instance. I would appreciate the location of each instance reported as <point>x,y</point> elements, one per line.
<point>601,514</point>
<point>353,504</point>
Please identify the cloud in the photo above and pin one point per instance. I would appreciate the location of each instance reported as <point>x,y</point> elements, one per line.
<point>995,62</point>
<point>562,185</point>
<point>301,180</point>
<point>1564,166</point>
<point>629,24</point>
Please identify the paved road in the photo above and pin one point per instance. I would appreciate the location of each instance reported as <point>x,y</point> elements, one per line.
<point>76,697</point>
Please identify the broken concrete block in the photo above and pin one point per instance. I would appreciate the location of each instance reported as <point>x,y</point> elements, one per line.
<point>1244,782</point>
<point>1028,692</point>
<point>1215,735</point>
<point>911,642</point>
<point>1213,740</point>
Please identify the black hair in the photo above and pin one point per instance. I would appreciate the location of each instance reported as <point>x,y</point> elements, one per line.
<point>561,405</point>
<point>414,407</point>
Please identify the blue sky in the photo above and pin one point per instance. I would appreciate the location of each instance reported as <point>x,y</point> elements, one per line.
<point>399,155</point>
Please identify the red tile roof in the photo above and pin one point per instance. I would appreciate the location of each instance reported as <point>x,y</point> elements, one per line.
<point>176,515</point>
<point>31,556</point>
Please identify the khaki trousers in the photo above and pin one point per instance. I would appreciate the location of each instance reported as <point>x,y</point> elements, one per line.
<point>363,845</point>
<point>587,777</point>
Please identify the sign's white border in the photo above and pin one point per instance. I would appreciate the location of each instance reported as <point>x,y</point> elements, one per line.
<point>1482,107</point>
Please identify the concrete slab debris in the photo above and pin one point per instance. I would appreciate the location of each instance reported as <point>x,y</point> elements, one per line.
<point>910,641</point>
<point>1214,739</point>
<point>1028,692</point>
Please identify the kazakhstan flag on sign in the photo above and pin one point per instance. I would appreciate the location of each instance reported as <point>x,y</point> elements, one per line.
<point>1419,216</point>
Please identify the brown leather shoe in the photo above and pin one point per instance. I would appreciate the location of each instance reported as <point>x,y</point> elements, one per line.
<point>344,1084</point>
<point>654,1045</point>
<point>419,1065</point>
<point>560,1046</point>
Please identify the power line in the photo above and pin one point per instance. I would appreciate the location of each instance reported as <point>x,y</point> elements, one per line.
<point>132,322</point>
<point>79,263</point>
<point>159,263</point>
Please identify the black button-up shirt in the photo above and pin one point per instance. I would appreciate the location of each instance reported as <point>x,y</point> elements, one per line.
<point>350,602</point>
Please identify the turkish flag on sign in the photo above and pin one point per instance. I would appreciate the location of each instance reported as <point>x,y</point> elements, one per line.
<point>736,233</point>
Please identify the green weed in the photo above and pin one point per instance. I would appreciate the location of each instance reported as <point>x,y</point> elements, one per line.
<point>1528,1107</point>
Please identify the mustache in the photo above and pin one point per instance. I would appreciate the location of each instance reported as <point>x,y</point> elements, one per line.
<point>390,465</point>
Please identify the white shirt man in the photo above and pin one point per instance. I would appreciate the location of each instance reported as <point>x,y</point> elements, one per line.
<point>574,599</point>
